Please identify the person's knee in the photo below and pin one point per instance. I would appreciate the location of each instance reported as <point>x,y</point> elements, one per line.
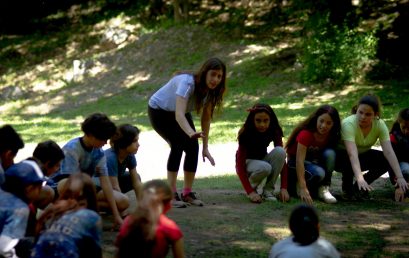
<point>122,201</point>
<point>317,174</point>
<point>263,168</point>
<point>279,153</point>
<point>329,155</point>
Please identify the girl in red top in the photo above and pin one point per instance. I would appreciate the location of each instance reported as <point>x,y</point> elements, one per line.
<point>253,163</point>
<point>148,232</point>
<point>400,142</point>
<point>311,155</point>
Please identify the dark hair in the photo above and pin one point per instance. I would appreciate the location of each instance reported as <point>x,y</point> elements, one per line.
<point>304,224</point>
<point>371,100</point>
<point>310,124</point>
<point>48,151</point>
<point>249,127</point>
<point>10,139</point>
<point>78,192</point>
<point>124,136</point>
<point>202,93</point>
<point>402,116</point>
<point>99,126</point>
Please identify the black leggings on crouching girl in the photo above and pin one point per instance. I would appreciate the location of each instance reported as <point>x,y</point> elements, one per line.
<point>372,160</point>
<point>165,124</point>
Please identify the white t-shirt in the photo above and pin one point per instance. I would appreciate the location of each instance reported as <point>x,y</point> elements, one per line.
<point>287,248</point>
<point>182,85</point>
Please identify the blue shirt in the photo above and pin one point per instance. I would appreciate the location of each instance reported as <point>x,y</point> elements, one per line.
<point>14,214</point>
<point>115,168</point>
<point>75,234</point>
<point>79,159</point>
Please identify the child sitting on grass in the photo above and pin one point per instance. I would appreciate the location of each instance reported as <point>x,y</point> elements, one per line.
<point>48,156</point>
<point>311,154</point>
<point>399,136</point>
<point>256,167</point>
<point>71,227</point>
<point>121,156</point>
<point>84,154</point>
<point>23,182</point>
<point>305,241</point>
<point>10,143</point>
<point>148,232</point>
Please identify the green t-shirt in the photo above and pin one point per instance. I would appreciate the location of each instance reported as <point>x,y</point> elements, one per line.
<point>350,131</point>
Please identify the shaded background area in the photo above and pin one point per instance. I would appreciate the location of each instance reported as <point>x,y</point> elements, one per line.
<point>241,18</point>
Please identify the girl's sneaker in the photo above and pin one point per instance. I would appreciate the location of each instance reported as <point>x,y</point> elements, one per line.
<point>269,196</point>
<point>177,202</point>
<point>325,195</point>
<point>192,199</point>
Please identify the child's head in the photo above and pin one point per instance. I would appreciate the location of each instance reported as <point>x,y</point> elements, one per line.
<point>304,224</point>
<point>25,180</point>
<point>126,138</point>
<point>81,188</point>
<point>140,232</point>
<point>261,119</point>
<point>50,155</point>
<point>370,100</point>
<point>162,190</point>
<point>99,127</point>
<point>325,120</point>
<point>403,121</point>
<point>78,192</point>
<point>367,109</point>
<point>10,143</point>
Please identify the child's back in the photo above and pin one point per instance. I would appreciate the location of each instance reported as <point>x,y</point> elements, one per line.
<point>75,234</point>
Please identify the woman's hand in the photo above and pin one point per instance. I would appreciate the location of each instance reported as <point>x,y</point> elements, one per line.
<point>196,135</point>
<point>363,185</point>
<point>118,221</point>
<point>399,195</point>
<point>284,196</point>
<point>305,196</point>
<point>254,197</point>
<point>401,182</point>
<point>206,154</point>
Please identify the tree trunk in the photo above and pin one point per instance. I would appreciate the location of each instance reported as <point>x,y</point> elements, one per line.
<point>181,10</point>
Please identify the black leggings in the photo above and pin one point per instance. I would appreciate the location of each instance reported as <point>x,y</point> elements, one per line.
<point>372,160</point>
<point>165,124</point>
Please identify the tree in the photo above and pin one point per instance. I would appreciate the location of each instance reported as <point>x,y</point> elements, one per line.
<point>181,10</point>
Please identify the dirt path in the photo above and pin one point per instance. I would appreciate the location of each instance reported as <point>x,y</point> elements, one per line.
<point>153,153</point>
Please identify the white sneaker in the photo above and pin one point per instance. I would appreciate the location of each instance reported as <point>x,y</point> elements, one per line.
<point>258,187</point>
<point>325,195</point>
<point>269,196</point>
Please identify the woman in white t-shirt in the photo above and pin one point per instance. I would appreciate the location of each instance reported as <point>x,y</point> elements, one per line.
<point>359,133</point>
<point>169,112</point>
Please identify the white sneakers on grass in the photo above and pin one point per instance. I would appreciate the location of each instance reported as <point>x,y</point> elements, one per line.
<point>325,195</point>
